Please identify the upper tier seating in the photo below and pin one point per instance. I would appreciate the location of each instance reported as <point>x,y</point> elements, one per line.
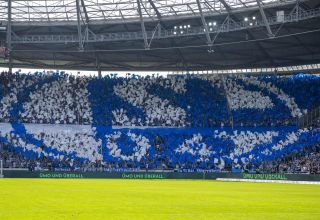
<point>176,101</point>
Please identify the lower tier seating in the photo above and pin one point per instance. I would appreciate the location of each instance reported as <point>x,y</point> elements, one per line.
<point>83,146</point>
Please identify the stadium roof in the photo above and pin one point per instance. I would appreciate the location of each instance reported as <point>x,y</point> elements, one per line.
<point>66,10</point>
<point>160,34</point>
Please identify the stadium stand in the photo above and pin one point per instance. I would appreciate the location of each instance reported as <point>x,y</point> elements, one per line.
<point>233,123</point>
<point>307,160</point>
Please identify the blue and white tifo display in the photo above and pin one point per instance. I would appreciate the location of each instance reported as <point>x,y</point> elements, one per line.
<point>178,122</point>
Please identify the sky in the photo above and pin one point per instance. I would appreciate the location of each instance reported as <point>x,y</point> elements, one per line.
<point>165,73</point>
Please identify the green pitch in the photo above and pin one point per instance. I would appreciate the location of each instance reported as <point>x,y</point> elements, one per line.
<point>57,199</point>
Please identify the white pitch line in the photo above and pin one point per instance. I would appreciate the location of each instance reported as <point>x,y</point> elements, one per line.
<point>269,181</point>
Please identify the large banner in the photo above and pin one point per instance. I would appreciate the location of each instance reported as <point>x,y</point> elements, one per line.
<point>158,175</point>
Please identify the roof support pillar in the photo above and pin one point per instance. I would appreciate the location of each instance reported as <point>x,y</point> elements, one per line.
<point>264,18</point>
<point>98,66</point>
<point>79,25</point>
<point>162,24</point>
<point>85,11</point>
<point>143,28</point>
<point>9,35</point>
<point>297,10</point>
<point>155,9</point>
<point>225,4</point>
<point>204,23</point>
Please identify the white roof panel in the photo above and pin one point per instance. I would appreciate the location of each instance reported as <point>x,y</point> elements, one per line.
<point>65,10</point>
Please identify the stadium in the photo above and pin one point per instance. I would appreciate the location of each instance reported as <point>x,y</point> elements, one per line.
<point>159,109</point>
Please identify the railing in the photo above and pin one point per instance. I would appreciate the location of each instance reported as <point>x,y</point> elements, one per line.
<point>310,119</point>
<point>228,103</point>
<point>161,34</point>
<point>1,168</point>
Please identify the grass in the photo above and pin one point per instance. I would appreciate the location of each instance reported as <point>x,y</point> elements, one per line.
<point>58,199</point>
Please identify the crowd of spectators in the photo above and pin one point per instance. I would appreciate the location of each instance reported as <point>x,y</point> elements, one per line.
<point>220,150</point>
<point>10,87</point>
<point>44,98</point>
<point>240,98</point>
<point>198,112</point>
<point>176,101</point>
<point>63,101</point>
<point>82,144</point>
<point>268,102</point>
<point>307,161</point>
<point>159,112</point>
